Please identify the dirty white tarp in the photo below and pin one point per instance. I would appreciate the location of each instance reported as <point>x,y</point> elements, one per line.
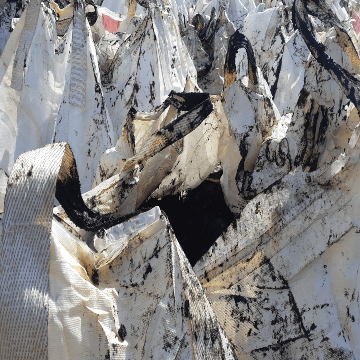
<point>235,9</point>
<point>147,65</point>
<point>201,155</point>
<point>125,310</point>
<point>177,168</point>
<point>281,282</point>
<point>57,96</point>
<point>218,37</point>
<point>71,302</point>
<point>194,46</point>
<point>283,279</point>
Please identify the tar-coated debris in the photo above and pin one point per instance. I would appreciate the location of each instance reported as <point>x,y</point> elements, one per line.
<point>179,179</point>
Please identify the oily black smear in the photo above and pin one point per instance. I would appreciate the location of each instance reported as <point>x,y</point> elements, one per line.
<point>68,194</point>
<point>95,277</point>
<point>147,271</point>
<point>183,101</point>
<point>199,23</point>
<point>92,16</point>
<point>187,101</point>
<point>198,219</point>
<point>122,332</point>
<point>186,309</point>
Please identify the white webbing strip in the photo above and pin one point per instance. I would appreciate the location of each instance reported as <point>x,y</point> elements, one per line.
<point>24,254</point>
<point>78,58</point>
<point>26,38</point>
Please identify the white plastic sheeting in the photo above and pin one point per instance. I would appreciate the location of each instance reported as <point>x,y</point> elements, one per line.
<point>283,280</point>
<point>74,303</point>
<point>251,114</point>
<point>176,167</point>
<point>201,155</point>
<point>54,100</point>
<point>122,309</point>
<point>213,82</point>
<point>235,9</point>
<point>147,65</point>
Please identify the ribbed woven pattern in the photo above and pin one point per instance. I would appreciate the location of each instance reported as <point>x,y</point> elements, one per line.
<point>25,41</point>
<point>62,26</point>
<point>24,254</point>
<point>78,59</point>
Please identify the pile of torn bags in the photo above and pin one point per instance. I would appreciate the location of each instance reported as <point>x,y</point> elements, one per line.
<point>109,108</point>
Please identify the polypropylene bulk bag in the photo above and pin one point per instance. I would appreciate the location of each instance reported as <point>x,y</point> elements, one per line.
<point>73,302</point>
<point>158,63</point>
<point>58,94</point>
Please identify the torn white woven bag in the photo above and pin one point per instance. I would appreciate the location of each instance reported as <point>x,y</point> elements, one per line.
<point>150,63</point>
<point>137,298</point>
<point>57,95</point>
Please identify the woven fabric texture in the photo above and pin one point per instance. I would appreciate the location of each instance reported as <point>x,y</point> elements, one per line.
<point>25,41</point>
<point>24,254</point>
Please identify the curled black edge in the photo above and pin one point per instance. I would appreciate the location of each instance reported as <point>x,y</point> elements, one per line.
<point>199,22</point>
<point>238,41</point>
<point>181,101</point>
<point>174,131</point>
<point>206,109</point>
<point>346,81</point>
<point>68,193</point>
<point>68,189</point>
<point>186,101</point>
<point>91,16</point>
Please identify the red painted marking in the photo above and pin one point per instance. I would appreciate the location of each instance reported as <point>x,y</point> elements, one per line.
<point>356,23</point>
<point>110,24</point>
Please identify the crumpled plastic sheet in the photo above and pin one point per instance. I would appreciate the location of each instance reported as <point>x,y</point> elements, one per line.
<point>125,184</point>
<point>281,282</point>
<point>213,81</point>
<point>178,168</point>
<point>251,113</point>
<point>283,279</point>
